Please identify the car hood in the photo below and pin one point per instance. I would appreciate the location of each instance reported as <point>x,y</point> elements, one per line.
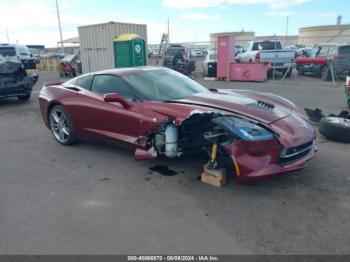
<point>253,105</point>
<point>9,67</point>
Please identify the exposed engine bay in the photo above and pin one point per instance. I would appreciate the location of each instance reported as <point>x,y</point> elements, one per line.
<point>202,132</point>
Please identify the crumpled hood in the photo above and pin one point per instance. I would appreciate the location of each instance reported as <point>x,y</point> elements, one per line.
<point>261,108</point>
<point>9,67</point>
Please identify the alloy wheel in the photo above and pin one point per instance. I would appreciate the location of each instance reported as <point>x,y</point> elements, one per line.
<point>59,125</point>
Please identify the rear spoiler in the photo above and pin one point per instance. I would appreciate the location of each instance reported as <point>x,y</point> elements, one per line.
<point>55,82</point>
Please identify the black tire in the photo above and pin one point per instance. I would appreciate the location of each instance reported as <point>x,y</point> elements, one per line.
<point>325,73</point>
<point>68,138</point>
<point>300,72</point>
<point>335,128</point>
<point>24,97</point>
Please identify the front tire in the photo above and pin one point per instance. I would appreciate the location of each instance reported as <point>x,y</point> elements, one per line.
<point>61,125</point>
<point>24,97</point>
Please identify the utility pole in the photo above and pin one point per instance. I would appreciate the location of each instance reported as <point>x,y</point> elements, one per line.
<point>168,30</point>
<point>59,26</point>
<point>287,22</point>
<point>7,34</point>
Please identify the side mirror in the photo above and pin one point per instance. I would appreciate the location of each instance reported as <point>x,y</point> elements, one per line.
<point>113,97</point>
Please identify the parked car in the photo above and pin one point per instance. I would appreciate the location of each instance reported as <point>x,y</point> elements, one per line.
<point>177,58</point>
<point>271,52</point>
<point>19,53</point>
<point>319,62</point>
<point>170,53</point>
<point>210,63</point>
<point>14,81</point>
<point>197,53</point>
<point>156,111</point>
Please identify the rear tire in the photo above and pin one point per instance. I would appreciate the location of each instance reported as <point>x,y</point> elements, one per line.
<point>61,125</point>
<point>335,128</point>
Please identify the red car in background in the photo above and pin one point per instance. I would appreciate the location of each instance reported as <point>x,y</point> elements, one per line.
<point>157,111</point>
<point>319,61</point>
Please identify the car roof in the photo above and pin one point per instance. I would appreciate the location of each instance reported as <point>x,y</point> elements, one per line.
<point>128,71</point>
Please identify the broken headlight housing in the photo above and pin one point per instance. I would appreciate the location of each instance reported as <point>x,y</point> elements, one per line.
<point>243,129</point>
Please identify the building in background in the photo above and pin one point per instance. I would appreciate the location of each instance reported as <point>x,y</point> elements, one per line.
<point>286,40</point>
<point>96,43</point>
<point>242,37</point>
<point>324,34</point>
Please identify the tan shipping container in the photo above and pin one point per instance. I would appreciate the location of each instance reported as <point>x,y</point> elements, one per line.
<point>96,43</point>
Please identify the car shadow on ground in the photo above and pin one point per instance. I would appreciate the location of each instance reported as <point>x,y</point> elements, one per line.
<point>12,101</point>
<point>189,168</point>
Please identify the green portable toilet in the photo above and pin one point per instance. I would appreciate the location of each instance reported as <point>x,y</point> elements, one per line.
<point>129,51</point>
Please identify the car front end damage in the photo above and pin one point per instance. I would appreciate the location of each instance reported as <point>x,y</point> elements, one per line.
<point>252,150</point>
<point>14,80</point>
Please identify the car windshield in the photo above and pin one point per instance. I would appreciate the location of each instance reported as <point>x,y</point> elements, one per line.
<point>7,51</point>
<point>163,85</point>
<point>23,50</point>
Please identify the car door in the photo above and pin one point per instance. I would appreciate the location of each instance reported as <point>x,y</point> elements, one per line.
<point>100,120</point>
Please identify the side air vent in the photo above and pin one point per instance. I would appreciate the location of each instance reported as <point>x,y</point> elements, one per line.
<point>264,105</point>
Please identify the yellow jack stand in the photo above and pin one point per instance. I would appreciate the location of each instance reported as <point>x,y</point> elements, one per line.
<point>212,175</point>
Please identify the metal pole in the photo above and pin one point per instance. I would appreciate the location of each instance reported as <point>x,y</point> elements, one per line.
<point>274,55</point>
<point>59,26</point>
<point>287,25</point>
<point>168,31</point>
<point>7,34</point>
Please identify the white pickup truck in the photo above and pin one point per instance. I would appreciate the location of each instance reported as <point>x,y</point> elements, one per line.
<point>270,51</point>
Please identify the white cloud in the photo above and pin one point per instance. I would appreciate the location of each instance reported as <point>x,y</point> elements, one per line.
<point>198,16</point>
<point>275,4</point>
<point>41,26</point>
<point>280,13</point>
<point>302,14</point>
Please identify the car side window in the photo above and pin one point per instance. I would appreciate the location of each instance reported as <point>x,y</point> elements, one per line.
<point>84,82</point>
<point>104,84</point>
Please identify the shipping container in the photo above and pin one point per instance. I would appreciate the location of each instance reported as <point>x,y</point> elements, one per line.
<point>96,43</point>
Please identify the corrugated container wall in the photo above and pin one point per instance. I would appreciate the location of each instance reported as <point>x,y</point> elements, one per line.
<point>96,43</point>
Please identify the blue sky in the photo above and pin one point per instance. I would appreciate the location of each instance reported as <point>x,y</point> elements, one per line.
<point>190,20</point>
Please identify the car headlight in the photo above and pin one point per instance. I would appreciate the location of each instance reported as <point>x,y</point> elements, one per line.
<point>243,129</point>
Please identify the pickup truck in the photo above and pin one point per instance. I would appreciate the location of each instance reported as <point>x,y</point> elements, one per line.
<point>270,51</point>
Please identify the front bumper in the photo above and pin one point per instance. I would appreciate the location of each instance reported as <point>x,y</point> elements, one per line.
<point>24,87</point>
<point>261,159</point>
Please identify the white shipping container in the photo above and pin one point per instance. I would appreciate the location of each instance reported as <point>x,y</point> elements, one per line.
<point>96,43</point>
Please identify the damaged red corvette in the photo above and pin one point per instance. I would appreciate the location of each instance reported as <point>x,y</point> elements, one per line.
<point>157,111</point>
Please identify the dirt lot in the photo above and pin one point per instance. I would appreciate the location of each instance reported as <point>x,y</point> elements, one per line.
<point>95,199</point>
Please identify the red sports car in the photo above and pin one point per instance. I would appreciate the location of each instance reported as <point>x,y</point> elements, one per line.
<point>157,111</point>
